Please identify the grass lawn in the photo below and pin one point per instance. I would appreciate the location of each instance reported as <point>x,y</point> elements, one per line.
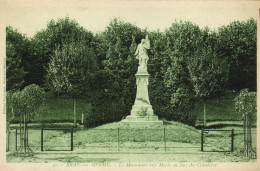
<point>107,135</point>
<point>61,110</point>
<point>180,140</point>
<point>222,109</point>
<point>238,139</point>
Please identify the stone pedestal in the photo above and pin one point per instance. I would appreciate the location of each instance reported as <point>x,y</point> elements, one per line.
<point>142,114</point>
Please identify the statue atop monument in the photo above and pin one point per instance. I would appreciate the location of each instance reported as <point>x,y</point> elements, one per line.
<point>141,53</point>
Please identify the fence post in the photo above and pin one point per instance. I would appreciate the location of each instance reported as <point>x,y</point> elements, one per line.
<point>202,139</point>
<point>15,138</point>
<point>118,139</point>
<point>7,140</point>
<point>232,140</point>
<point>164,139</point>
<point>42,138</point>
<point>71,140</point>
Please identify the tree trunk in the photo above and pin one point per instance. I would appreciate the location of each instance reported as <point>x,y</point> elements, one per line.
<point>244,121</point>
<point>204,114</point>
<point>21,142</point>
<point>247,136</point>
<point>24,132</point>
<point>74,112</point>
<point>13,113</point>
<point>82,118</point>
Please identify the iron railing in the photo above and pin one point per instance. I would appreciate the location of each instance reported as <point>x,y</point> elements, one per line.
<point>120,138</point>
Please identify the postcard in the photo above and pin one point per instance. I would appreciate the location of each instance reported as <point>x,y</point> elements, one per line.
<point>132,85</point>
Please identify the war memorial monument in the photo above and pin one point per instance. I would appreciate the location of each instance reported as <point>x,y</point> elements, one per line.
<point>142,114</point>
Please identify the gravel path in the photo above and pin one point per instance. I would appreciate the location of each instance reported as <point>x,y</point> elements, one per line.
<point>100,157</point>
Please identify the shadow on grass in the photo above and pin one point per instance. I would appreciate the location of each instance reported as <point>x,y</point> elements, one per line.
<point>78,159</point>
<point>217,126</point>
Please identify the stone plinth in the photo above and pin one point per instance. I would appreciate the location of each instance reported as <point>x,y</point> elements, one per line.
<point>142,113</point>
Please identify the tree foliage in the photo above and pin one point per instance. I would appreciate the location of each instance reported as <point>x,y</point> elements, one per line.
<point>56,35</point>
<point>182,41</point>
<point>237,42</point>
<point>116,99</point>
<point>71,68</point>
<point>208,72</point>
<point>158,92</point>
<point>185,62</point>
<point>245,104</point>
<point>16,49</point>
<point>24,102</point>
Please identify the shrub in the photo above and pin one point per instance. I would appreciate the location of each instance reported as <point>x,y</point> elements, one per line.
<point>245,104</point>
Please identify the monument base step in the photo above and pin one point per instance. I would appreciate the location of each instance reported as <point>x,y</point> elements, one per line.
<point>141,122</point>
<point>139,118</point>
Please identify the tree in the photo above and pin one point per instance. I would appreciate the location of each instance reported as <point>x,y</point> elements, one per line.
<point>181,42</point>
<point>70,70</point>
<point>158,92</point>
<point>178,83</point>
<point>208,72</point>
<point>119,65</point>
<point>237,42</point>
<point>121,69</point>
<point>100,49</point>
<point>24,104</point>
<point>245,104</point>
<point>45,43</point>
<point>16,49</point>
<point>184,39</point>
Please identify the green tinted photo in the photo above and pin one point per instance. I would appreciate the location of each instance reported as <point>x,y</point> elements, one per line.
<point>131,84</point>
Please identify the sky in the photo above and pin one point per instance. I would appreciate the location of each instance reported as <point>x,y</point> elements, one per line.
<point>33,16</point>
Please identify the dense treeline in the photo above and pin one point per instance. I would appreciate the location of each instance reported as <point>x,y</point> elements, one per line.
<point>186,63</point>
